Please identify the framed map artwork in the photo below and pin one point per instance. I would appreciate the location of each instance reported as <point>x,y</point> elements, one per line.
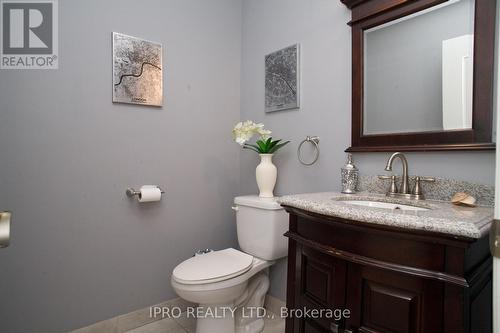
<point>282,79</point>
<point>137,71</point>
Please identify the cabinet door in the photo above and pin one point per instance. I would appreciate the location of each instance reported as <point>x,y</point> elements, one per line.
<point>321,286</point>
<point>381,301</point>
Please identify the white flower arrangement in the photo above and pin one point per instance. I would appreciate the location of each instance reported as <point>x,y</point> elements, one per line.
<point>244,131</point>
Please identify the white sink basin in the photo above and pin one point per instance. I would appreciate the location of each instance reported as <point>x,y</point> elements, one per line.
<point>385,205</point>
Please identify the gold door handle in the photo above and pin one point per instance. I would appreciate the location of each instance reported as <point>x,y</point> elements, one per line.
<point>5,228</point>
<point>495,238</point>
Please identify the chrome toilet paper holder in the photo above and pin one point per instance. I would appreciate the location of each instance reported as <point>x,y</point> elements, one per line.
<point>131,192</point>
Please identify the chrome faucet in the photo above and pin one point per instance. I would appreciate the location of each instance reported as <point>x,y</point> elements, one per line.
<point>404,189</point>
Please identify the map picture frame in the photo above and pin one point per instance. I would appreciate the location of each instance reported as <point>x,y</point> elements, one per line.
<point>282,79</point>
<point>137,71</point>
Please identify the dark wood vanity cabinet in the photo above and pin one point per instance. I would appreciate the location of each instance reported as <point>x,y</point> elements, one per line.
<point>390,280</point>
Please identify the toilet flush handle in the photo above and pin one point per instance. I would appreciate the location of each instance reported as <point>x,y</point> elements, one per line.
<point>235,208</point>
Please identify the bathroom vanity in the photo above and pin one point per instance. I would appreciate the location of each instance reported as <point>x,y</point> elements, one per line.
<point>422,80</point>
<point>424,269</point>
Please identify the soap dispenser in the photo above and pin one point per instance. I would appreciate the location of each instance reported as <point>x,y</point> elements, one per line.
<point>350,176</point>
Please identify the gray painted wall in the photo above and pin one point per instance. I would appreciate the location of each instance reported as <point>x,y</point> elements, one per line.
<point>81,251</point>
<point>320,27</point>
<point>403,63</point>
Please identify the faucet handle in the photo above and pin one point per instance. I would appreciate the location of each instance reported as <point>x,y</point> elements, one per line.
<point>388,177</point>
<point>417,190</point>
<point>393,188</point>
<point>427,179</point>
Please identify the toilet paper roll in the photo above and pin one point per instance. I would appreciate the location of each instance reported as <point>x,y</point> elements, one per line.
<point>149,193</point>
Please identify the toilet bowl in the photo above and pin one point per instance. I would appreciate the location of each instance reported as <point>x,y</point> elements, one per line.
<point>221,293</point>
<point>230,285</point>
<point>214,283</point>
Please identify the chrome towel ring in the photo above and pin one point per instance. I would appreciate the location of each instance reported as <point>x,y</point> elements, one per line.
<point>315,141</point>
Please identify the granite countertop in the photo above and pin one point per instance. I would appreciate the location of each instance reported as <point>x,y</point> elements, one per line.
<point>442,217</point>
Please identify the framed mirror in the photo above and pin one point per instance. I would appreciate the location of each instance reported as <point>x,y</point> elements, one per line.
<point>422,75</point>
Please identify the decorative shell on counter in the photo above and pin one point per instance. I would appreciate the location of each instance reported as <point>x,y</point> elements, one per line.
<point>463,199</point>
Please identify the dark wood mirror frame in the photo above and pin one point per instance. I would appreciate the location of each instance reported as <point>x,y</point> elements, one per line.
<point>367,14</point>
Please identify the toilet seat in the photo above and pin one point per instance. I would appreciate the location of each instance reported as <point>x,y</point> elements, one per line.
<point>213,267</point>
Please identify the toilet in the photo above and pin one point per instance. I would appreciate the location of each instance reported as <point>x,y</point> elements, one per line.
<point>229,285</point>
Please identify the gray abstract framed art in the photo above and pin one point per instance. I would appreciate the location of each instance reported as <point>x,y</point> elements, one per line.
<point>137,71</point>
<point>283,79</point>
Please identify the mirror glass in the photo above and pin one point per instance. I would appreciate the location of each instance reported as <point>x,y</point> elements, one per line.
<point>418,71</point>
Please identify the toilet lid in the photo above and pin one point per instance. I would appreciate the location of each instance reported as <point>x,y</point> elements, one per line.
<point>213,267</point>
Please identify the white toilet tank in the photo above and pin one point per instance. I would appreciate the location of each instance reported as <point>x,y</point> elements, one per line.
<point>260,224</point>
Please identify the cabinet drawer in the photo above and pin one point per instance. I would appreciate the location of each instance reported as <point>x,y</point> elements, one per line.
<point>387,246</point>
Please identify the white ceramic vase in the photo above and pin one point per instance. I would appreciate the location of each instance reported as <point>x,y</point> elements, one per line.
<point>266,174</point>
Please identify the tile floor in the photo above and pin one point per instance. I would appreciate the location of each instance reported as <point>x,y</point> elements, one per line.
<point>188,325</point>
